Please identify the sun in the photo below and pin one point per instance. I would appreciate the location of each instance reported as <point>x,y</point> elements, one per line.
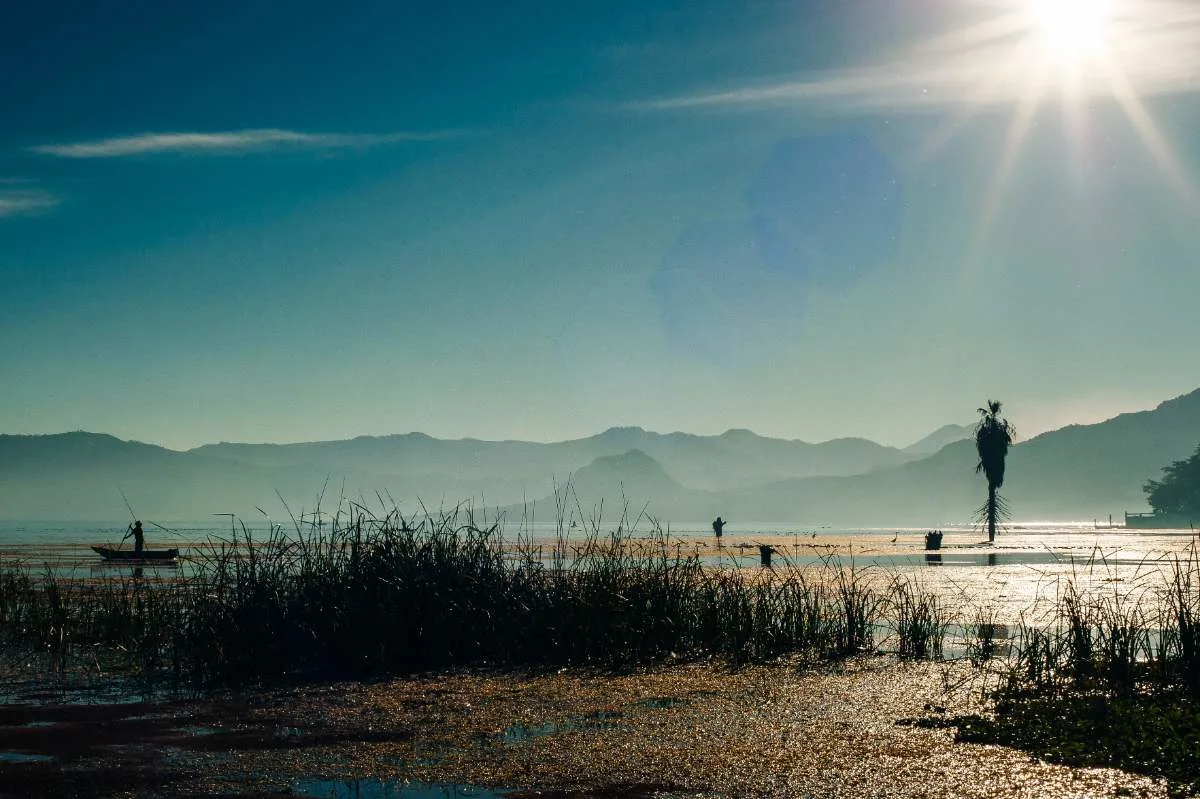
<point>1084,53</point>
<point>1071,30</point>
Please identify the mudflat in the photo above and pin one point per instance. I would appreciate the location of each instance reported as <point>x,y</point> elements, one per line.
<point>870,727</point>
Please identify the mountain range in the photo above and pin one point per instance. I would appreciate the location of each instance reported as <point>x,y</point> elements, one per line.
<point>1077,472</point>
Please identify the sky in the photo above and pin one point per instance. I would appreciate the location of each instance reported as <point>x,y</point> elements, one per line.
<point>241,221</point>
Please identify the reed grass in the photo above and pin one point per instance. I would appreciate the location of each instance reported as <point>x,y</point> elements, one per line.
<point>919,618</point>
<point>362,593</point>
<point>1116,643</point>
<point>1113,682</point>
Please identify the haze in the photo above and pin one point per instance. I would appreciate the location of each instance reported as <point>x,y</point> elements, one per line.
<point>539,220</point>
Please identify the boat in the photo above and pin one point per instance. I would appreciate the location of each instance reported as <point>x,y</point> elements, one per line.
<point>1159,521</point>
<point>108,553</point>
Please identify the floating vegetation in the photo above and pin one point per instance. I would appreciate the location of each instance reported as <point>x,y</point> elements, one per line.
<point>1152,734</point>
<point>663,702</point>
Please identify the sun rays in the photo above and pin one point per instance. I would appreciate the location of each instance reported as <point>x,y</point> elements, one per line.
<point>1019,55</point>
<point>1073,52</point>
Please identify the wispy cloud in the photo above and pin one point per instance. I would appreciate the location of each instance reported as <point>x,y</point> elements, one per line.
<point>992,63</point>
<point>229,142</point>
<point>16,199</point>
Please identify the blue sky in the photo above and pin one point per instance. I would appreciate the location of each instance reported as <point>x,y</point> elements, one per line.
<point>236,221</point>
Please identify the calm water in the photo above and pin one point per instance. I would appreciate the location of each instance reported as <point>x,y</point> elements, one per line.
<point>47,536</point>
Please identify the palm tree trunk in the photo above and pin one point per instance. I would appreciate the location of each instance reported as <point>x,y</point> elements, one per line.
<point>992,512</point>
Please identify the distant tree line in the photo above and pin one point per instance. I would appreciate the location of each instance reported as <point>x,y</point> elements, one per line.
<point>1178,493</point>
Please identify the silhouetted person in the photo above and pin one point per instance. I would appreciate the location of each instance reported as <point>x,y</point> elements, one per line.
<point>139,537</point>
<point>719,526</point>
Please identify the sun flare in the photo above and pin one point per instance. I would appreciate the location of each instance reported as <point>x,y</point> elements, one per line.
<point>1084,52</point>
<point>1071,30</point>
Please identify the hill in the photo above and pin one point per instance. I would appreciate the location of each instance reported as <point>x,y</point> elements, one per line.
<point>947,434</point>
<point>1078,472</point>
<point>632,478</point>
<point>507,471</point>
<point>81,475</point>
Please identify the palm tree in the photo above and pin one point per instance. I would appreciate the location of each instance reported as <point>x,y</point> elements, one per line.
<point>993,436</point>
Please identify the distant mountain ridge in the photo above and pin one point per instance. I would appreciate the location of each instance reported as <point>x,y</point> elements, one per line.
<point>944,435</point>
<point>1080,471</point>
<point>1076,473</point>
<point>732,459</point>
<point>81,475</point>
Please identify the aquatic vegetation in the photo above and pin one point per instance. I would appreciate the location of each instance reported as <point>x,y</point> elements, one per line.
<point>919,619</point>
<point>1152,734</point>
<point>1114,683</point>
<point>363,594</point>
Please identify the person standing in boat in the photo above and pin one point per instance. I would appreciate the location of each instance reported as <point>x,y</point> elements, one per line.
<point>139,537</point>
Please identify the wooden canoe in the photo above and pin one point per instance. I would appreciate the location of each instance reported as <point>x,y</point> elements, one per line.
<point>108,553</point>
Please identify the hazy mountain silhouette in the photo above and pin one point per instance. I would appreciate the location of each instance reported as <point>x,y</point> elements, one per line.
<point>504,471</point>
<point>632,478</point>
<point>1077,472</point>
<point>1081,471</point>
<point>946,434</point>
<point>80,475</point>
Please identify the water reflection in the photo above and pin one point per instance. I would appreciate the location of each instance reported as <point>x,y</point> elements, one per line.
<point>392,789</point>
<point>23,757</point>
<point>598,720</point>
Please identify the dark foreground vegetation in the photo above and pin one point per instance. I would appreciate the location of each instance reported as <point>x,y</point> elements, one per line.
<point>1115,683</point>
<point>1108,680</point>
<point>1155,733</point>
<point>373,595</point>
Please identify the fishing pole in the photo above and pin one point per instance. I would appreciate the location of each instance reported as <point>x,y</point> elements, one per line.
<point>128,507</point>
<point>166,529</point>
<point>132,515</point>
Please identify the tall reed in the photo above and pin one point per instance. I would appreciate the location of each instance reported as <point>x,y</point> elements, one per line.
<point>362,593</point>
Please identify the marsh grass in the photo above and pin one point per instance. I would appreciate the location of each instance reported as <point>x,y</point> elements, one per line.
<point>1119,642</point>
<point>1111,681</point>
<point>986,638</point>
<point>364,594</point>
<point>919,619</point>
